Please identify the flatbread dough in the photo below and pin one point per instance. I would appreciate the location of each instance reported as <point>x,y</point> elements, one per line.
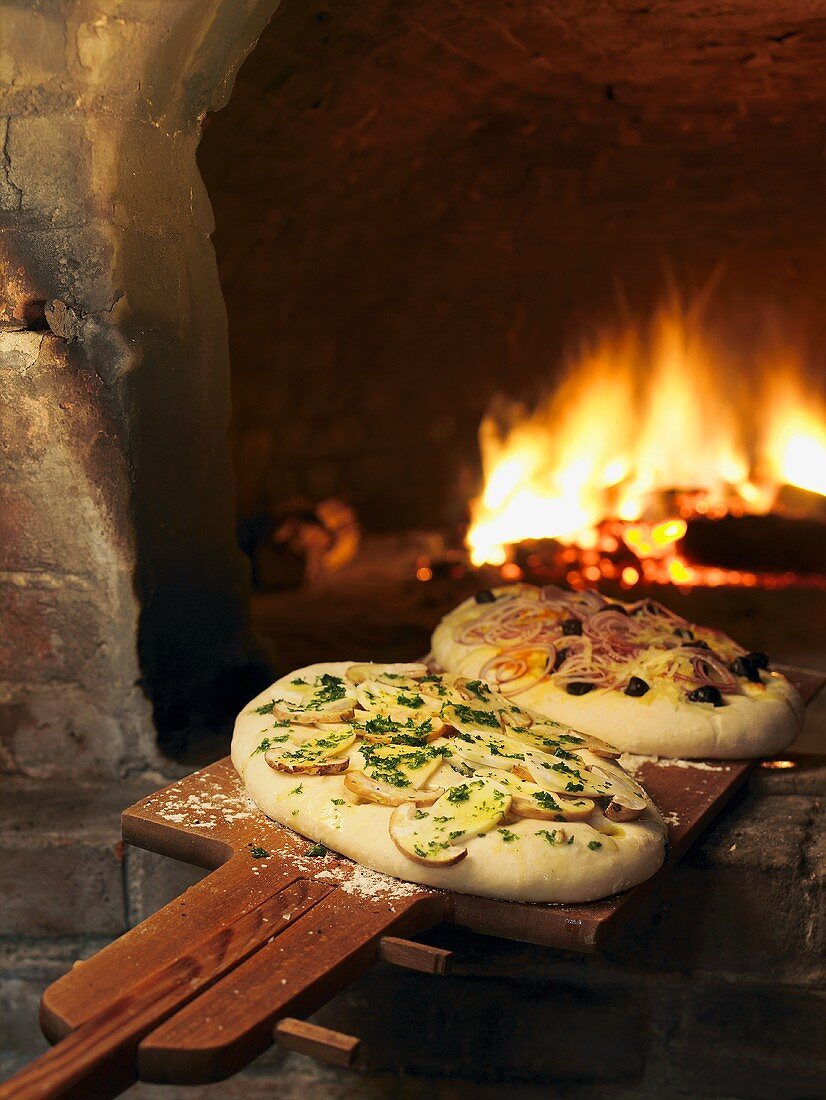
<point>515,637</point>
<point>517,858</point>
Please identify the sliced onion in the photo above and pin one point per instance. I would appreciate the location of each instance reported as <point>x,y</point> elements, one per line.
<point>516,671</point>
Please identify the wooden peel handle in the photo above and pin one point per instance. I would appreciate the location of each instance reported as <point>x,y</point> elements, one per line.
<point>193,993</point>
<point>122,994</point>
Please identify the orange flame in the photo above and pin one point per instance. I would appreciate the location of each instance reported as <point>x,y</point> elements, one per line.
<point>645,425</point>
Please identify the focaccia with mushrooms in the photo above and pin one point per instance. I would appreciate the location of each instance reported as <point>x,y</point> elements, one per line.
<point>638,673</point>
<point>441,780</point>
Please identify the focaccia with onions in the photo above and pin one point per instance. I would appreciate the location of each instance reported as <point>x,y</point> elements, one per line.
<point>637,674</point>
<point>441,780</point>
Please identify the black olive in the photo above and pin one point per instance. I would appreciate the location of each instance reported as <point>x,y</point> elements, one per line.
<point>745,666</point>
<point>571,626</point>
<point>648,607</point>
<point>760,659</point>
<point>706,694</point>
<point>636,686</point>
<point>579,687</point>
<point>485,596</point>
<point>560,657</point>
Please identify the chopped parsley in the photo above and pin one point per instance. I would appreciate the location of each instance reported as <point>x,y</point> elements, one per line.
<point>267,708</point>
<point>317,850</point>
<point>476,717</point>
<point>258,852</point>
<point>298,790</point>
<point>298,681</point>
<point>480,690</point>
<point>418,815</point>
<point>337,801</point>
<point>268,743</point>
<point>409,700</point>
<point>546,800</point>
<point>549,835</point>
<point>594,844</point>
<point>459,794</point>
<point>330,690</point>
<point>387,766</point>
<point>507,835</point>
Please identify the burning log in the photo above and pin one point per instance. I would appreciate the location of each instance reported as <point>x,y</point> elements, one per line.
<point>759,544</point>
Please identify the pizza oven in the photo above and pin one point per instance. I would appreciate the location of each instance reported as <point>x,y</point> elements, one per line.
<point>315,322</point>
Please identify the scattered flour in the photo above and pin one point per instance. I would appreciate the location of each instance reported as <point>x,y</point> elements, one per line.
<point>633,763</point>
<point>365,883</point>
<point>209,807</point>
<point>670,817</point>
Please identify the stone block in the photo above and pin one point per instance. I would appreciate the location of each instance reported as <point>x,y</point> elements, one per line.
<point>20,1036</point>
<point>493,1029</point>
<point>153,880</point>
<point>61,865</point>
<point>741,900</point>
<point>27,967</point>
<point>750,1041</point>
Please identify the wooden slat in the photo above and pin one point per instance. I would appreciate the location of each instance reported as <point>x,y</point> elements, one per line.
<point>321,1043</point>
<point>233,1022</point>
<point>98,1058</point>
<point>239,887</point>
<point>414,956</point>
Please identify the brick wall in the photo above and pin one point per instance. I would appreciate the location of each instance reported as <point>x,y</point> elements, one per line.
<point>715,990</point>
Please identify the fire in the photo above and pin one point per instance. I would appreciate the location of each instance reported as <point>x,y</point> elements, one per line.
<point>647,428</point>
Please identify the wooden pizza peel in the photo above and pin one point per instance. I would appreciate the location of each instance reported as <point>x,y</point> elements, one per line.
<point>209,982</point>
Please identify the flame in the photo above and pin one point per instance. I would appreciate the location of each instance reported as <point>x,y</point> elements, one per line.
<point>648,427</point>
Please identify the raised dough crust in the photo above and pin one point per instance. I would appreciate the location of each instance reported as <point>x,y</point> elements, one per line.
<point>527,869</point>
<point>745,727</point>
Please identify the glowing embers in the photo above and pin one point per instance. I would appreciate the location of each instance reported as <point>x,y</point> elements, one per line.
<point>648,430</point>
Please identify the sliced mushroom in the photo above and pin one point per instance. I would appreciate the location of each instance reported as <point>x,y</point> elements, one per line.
<point>306,767</point>
<point>487,752</point>
<point>573,740</point>
<point>478,721</point>
<point>410,766</point>
<point>373,790</point>
<point>374,695</point>
<point>370,670</point>
<point>617,810</point>
<point>602,748</point>
<point>336,711</point>
<point>407,838</point>
<point>514,720</point>
<point>381,736</point>
<point>463,812</point>
<point>564,776</point>
<point>565,809</point>
<point>315,755</point>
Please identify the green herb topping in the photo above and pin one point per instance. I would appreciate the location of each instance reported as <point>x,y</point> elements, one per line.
<point>268,743</point>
